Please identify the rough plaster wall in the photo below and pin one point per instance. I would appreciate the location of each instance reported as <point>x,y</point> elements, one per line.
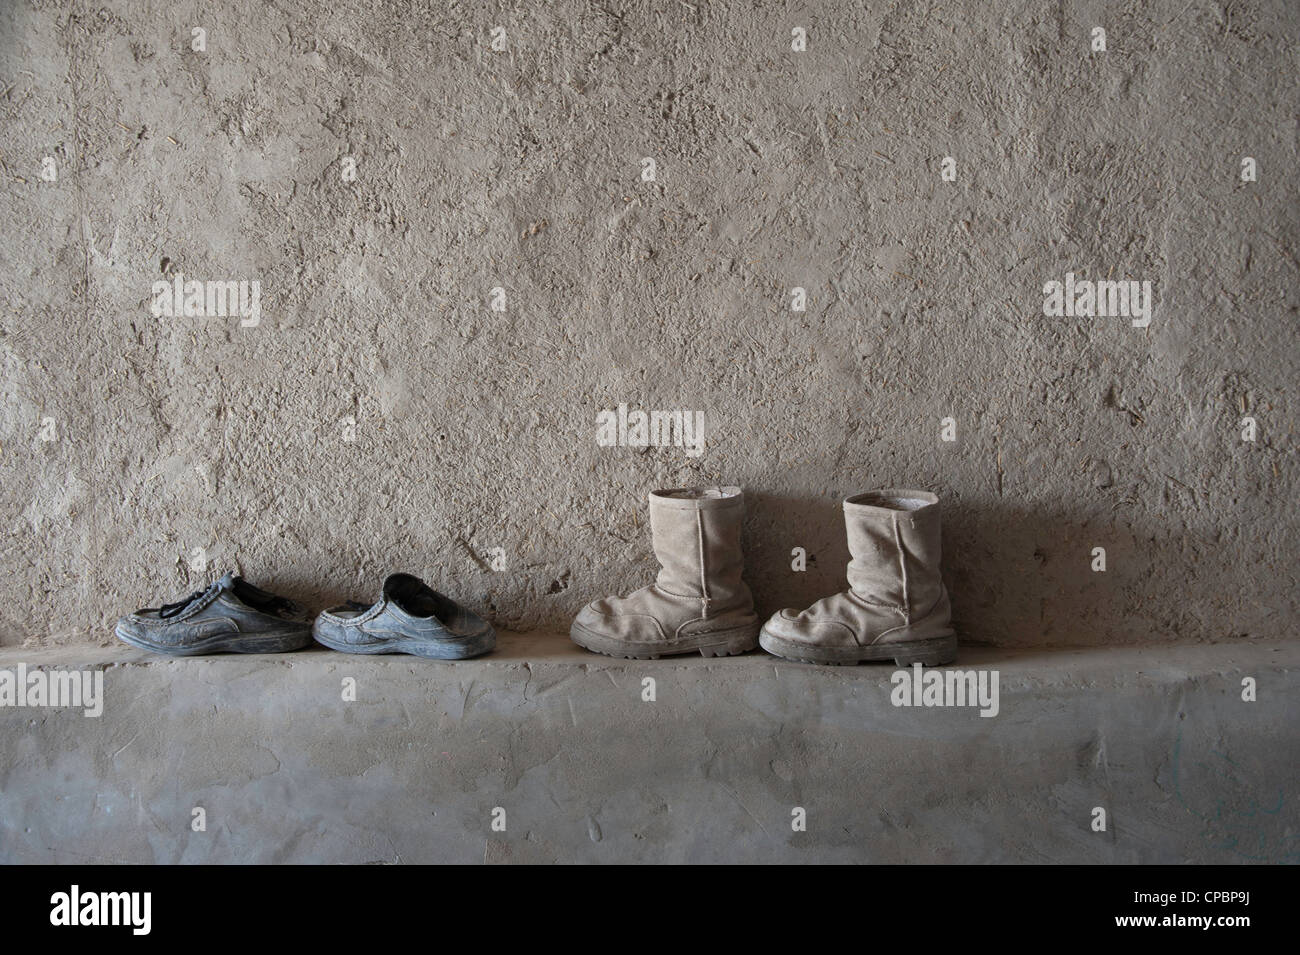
<point>776,169</point>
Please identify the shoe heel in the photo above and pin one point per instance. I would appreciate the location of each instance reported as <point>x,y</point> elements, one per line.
<point>931,653</point>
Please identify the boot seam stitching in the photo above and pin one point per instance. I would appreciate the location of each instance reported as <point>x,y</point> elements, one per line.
<point>902,566</point>
<point>704,582</point>
<point>872,603</point>
<point>670,593</point>
<point>703,630</point>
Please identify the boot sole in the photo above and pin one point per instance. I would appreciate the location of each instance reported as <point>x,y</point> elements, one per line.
<point>277,641</point>
<point>932,651</point>
<point>719,643</point>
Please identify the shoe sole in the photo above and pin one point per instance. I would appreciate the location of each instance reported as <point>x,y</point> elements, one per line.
<point>275,641</point>
<point>460,649</point>
<point>717,643</point>
<point>932,651</point>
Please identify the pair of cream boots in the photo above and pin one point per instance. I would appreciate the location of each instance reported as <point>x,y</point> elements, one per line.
<point>896,607</point>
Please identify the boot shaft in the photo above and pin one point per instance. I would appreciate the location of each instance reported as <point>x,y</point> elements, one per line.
<point>894,539</point>
<point>696,538</point>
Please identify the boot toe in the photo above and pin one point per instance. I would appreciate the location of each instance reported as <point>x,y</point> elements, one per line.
<point>801,626</point>
<point>604,619</point>
<point>591,618</point>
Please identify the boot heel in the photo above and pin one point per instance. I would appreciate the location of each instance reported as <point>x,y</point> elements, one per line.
<point>930,653</point>
<point>732,642</point>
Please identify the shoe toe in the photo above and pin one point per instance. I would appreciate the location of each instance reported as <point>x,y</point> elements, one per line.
<point>144,631</point>
<point>129,627</point>
<point>330,630</point>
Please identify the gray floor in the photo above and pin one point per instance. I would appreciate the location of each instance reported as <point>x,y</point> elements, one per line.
<point>712,770</point>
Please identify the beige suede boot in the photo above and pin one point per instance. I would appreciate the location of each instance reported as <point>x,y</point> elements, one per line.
<point>698,602</point>
<point>896,607</point>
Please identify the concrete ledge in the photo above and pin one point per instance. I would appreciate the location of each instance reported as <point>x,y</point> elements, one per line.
<point>711,770</point>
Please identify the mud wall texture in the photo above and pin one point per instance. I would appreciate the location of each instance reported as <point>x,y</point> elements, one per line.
<point>462,256</point>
